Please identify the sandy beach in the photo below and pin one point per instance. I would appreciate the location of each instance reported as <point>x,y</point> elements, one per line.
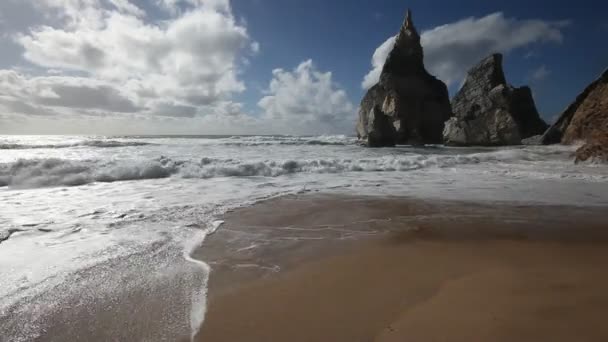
<point>333,268</point>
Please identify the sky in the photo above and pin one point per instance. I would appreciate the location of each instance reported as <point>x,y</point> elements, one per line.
<point>115,67</point>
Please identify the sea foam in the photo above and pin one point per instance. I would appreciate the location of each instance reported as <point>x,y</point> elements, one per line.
<point>32,173</point>
<point>88,143</point>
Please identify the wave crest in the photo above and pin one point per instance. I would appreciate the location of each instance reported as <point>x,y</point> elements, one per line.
<point>60,172</point>
<point>33,173</point>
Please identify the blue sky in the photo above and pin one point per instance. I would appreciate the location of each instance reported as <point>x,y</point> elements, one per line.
<point>265,66</point>
<point>342,35</point>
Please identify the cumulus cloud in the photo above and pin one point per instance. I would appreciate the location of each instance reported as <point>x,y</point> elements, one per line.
<point>171,66</point>
<point>451,49</point>
<point>39,93</point>
<point>109,56</point>
<point>378,59</point>
<point>306,100</point>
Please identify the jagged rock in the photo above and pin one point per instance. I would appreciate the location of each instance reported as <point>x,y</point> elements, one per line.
<point>584,120</point>
<point>490,112</point>
<point>408,105</point>
<point>497,129</point>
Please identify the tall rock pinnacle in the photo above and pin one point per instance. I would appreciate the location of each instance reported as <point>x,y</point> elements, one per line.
<point>407,56</point>
<point>408,105</point>
<point>408,27</point>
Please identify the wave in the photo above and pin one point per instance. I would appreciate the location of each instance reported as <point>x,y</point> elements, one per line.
<point>239,141</point>
<point>323,140</point>
<point>31,173</point>
<point>89,143</point>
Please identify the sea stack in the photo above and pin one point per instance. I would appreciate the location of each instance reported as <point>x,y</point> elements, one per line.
<point>490,112</point>
<point>407,105</point>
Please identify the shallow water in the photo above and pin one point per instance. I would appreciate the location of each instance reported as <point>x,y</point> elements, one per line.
<point>95,224</point>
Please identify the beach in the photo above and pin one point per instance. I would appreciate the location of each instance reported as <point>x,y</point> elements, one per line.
<point>303,171</point>
<point>343,268</point>
<point>121,238</point>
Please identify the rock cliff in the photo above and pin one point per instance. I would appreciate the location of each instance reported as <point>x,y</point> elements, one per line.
<point>408,105</point>
<point>584,120</point>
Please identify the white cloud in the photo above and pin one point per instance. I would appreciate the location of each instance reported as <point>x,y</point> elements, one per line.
<point>107,57</point>
<point>378,59</point>
<point>98,66</point>
<point>306,100</point>
<point>540,73</point>
<point>126,7</point>
<point>175,6</point>
<point>49,94</point>
<point>451,49</point>
<point>193,56</point>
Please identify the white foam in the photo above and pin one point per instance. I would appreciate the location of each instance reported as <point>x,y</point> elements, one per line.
<point>520,162</point>
<point>199,296</point>
<point>89,143</point>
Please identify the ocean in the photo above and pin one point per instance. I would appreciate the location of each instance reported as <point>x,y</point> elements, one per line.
<point>91,225</point>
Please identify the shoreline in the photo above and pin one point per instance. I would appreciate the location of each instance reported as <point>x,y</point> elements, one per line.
<point>291,269</point>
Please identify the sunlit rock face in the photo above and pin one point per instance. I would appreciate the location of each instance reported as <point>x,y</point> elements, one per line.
<point>586,119</point>
<point>407,105</point>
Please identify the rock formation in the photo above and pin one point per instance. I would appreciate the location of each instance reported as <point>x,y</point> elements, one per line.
<point>490,112</point>
<point>584,120</point>
<point>408,105</point>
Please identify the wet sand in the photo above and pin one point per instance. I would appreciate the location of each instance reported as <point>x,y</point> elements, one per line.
<point>329,268</point>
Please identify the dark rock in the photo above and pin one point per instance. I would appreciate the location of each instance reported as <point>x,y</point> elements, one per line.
<point>379,129</point>
<point>408,105</point>
<point>490,112</point>
<point>584,120</point>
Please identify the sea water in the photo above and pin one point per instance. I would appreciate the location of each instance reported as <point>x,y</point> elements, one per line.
<point>96,232</point>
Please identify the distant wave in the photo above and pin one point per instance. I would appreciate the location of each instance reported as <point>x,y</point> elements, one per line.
<point>90,143</point>
<point>329,140</point>
<point>323,140</point>
<point>32,173</point>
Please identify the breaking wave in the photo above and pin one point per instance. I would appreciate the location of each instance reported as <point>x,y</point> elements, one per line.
<point>91,143</point>
<point>32,173</point>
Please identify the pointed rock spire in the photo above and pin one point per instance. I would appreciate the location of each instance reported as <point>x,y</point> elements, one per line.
<point>408,25</point>
<point>407,55</point>
<point>408,105</point>
<point>408,30</point>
